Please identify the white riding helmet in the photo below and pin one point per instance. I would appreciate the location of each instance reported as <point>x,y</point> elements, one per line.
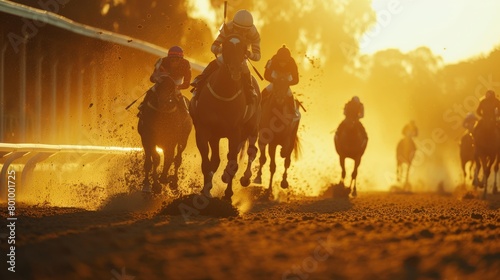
<point>243,19</point>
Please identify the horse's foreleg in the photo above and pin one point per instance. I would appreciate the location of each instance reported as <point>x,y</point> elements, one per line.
<point>407,177</point>
<point>231,167</point>
<point>342,165</point>
<point>252,154</point>
<point>206,168</point>
<point>168,159</point>
<point>284,182</point>
<point>146,184</point>
<point>475,181</point>
<point>262,161</point>
<point>354,175</point>
<point>272,168</point>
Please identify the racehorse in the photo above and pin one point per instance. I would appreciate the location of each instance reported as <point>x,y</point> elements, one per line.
<point>221,111</point>
<point>350,142</point>
<point>166,124</point>
<point>486,139</point>
<point>278,126</point>
<point>467,154</point>
<point>405,152</point>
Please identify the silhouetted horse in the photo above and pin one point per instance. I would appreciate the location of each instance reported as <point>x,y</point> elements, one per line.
<point>405,151</point>
<point>487,141</point>
<point>221,112</point>
<point>278,126</point>
<point>467,154</point>
<point>350,142</point>
<point>163,123</point>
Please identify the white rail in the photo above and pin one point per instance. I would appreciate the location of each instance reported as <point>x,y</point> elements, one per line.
<point>39,152</point>
<point>85,30</point>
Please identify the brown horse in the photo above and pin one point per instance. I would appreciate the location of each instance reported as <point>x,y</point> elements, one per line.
<point>278,126</point>
<point>350,142</point>
<point>487,142</point>
<point>405,152</point>
<point>163,123</point>
<point>467,155</point>
<point>221,111</point>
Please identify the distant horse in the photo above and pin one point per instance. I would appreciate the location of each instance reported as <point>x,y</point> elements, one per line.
<point>405,152</point>
<point>486,139</point>
<point>221,112</point>
<point>278,126</point>
<point>163,123</point>
<point>467,154</point>
<point>350,142</point>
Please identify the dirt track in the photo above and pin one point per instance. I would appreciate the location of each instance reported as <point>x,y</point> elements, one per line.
<point>374,236</point>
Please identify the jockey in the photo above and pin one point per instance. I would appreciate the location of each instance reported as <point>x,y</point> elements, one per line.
<point>489,106</point>
<point>353,111</point>
<point>411,129</point>
<point>488,109</point>
<point>175,66</point>
<point>282,63</point>
<point>242,24</point>
<point>469,121</point>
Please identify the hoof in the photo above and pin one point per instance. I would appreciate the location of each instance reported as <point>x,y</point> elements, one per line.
<point>257,180</point>
<point>354,193</point>
<point>284,184</point>
<point>225,178</point>
<point>244,181</point>
<point>163,179</point>
<point>146,188</point>
<point>206,192</point>
<point>227,196</point>
<point>268,194</point>
<point>157,188</point>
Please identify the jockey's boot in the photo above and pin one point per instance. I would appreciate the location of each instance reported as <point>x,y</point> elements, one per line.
<point>181,101</point>
<point>291,104</point>
<point>200,80</point>
<point>248,89</point>
<point>146,99</point>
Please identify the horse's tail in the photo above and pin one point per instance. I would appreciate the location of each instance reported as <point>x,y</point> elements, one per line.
<point>243,148</point>
<point>297,148</point>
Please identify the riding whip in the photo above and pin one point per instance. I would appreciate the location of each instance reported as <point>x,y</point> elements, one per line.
<point>133,102</point>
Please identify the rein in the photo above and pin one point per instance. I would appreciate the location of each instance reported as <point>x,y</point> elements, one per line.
<point>226,99</point>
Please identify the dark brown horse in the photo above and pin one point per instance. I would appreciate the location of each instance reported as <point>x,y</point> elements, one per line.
<point>350,142</point>
<point>163,123</point>
<point>487,142</point>
<point>222,112</point>
<point>405,152</point>
<point>278,126</point>
<point>467,155</point>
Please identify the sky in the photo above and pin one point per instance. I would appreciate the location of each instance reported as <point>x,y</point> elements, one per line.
<point>454,29</point>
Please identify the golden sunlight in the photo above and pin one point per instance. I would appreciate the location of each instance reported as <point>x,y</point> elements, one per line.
<point>454,29</point>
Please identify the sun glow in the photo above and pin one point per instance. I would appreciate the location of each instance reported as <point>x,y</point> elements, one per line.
<point>454,29</point>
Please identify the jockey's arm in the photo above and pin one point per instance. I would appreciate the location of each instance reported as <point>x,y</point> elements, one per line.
<point>268,71</point>
<point>186,69</point>
<point>254,38</point>
<point>156,72</point>
<point>295,74</point>
<point>361,110</point>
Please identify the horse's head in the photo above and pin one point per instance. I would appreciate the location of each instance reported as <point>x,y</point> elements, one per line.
<point>166,95</point>
<point>234,54</point>
<point>281,85</point>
